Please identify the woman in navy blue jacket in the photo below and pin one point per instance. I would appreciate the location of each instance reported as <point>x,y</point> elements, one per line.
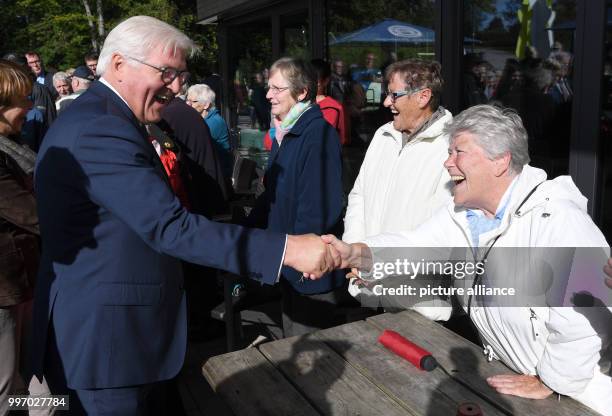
<point>303,190</point>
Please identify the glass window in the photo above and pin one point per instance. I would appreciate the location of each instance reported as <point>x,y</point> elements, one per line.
<point>363,38</point>
<point>521,57</point>
<point>606,132</point>
<point>295,36</point>
<point>250,57</point>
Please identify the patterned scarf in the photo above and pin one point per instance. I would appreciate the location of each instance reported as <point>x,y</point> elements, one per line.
<point>291,118</point>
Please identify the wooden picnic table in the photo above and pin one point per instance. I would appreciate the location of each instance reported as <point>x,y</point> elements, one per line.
<point>345,371</point>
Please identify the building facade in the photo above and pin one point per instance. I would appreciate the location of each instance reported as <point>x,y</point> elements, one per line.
<point>549,59</point>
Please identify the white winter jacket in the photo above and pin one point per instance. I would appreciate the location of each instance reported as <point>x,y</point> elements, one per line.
<point>559,344</point>
<point>399,187</point>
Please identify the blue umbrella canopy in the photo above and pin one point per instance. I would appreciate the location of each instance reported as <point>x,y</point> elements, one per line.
<point>388,30</point>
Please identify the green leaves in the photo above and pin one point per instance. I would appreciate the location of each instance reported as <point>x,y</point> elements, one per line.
<point>60,31</point>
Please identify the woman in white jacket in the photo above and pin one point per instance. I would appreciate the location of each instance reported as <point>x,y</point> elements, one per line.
<point>500,200</point>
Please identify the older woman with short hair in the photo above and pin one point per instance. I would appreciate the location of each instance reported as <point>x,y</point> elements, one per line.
<point>19,244</point>
<point>61,82</point>
<point>202,98</point>
<point>303,190</point>
<point>501,201</point>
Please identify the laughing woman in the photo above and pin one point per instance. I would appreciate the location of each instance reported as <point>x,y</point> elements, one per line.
<point>303,190</point>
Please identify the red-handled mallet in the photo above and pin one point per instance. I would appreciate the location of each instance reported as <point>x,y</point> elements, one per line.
<point>419,357</point>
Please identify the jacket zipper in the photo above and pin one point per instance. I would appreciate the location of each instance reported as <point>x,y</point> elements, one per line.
<point>533,318</point>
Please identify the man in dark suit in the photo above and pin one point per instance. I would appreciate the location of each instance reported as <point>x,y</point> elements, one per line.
<point>109,318</point>
<point>206,187</point>
<point>207,194</point>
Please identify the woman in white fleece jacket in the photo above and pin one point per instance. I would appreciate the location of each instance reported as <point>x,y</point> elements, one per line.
<point>499,199</point>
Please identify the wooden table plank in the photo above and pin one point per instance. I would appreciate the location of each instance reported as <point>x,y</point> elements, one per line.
<point>424,393</point>
<point>465,362</point>
<point>332,385</point>
<point>250,385</point>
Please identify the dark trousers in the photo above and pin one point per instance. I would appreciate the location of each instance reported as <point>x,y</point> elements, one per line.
<point>160,398</point>
<point>303,314</point>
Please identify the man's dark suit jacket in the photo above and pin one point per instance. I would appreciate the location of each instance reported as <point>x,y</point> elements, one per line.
<point>206,185</point>
<point>110,279</point>
<point>49,84</point>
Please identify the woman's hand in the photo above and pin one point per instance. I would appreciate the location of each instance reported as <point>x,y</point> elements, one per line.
<point>355,255</point>
<point>526,386</point>
<point>354,274</point>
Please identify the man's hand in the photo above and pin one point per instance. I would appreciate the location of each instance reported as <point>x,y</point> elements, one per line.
<point>608,270</point>
<point>526,386</point>
<point>310,255</point>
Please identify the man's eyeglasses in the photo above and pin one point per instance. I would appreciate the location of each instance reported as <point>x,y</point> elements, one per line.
<point>277,90</point>
<point>168,74</point>
<point>394,95</point>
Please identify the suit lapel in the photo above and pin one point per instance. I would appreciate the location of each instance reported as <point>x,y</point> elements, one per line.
<point>102,90</point>
<point>157,158</point>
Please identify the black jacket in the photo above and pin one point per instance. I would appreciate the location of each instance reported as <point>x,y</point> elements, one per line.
<point>205,183</point>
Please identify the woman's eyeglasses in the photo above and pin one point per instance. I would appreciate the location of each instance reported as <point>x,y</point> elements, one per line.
<point>394,95</point>
<point>277,90</point>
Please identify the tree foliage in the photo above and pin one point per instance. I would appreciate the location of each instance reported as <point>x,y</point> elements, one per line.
<point>60,31</point>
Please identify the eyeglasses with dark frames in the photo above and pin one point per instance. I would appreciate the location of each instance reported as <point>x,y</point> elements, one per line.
<point>168,74</point>
<point>394,95</point>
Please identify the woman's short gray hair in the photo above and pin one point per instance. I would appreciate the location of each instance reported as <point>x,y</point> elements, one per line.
<point>138,36</point>
<point>417,74</point>
<point>497,130</point>
<point>299,74</point>
<point>61,76</point>
<point>202,94</point>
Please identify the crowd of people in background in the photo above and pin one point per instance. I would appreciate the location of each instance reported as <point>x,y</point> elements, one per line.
<point>51,93</point>
<point>134,163</point>
<point>539,89</point>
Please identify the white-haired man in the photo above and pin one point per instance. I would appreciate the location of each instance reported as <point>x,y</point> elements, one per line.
<point>80,80</point>
<point>501,201</point>
<point>109,318</point>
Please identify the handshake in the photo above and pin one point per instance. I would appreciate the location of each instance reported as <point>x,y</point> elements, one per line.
<point>314,256</point>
